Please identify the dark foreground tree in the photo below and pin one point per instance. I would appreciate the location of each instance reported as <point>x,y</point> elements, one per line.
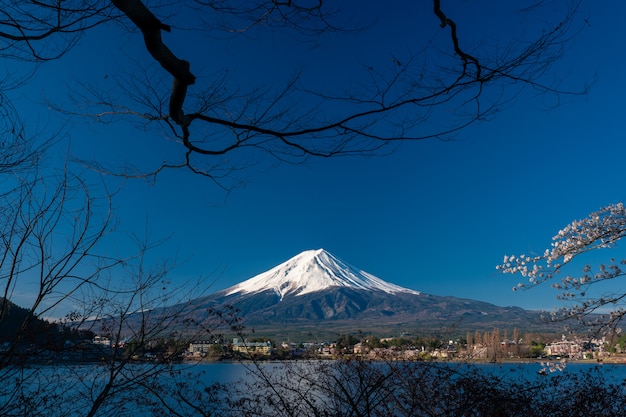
<point>53,366</point>
<point>397,389</point>
<point>54,231</point>
<point>451,71</point>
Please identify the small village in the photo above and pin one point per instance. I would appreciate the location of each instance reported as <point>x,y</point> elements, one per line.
<point>494,346</point>
<point>403,348</point>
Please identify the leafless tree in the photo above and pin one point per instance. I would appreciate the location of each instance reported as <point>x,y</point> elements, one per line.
<point>49,233</point>
<point>212,119</point>
<point>398,388</point>
<point>53,232</point>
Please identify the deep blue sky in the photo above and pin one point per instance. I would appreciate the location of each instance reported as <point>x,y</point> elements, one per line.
<point>433,216</point>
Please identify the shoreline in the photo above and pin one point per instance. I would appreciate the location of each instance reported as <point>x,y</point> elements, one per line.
<point>615,359</point>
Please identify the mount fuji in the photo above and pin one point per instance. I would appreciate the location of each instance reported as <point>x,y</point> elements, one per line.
<point>313,271</point>
<point>317,293</point>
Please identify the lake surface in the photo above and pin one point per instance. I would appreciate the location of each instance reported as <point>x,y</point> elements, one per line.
<point>64,388</point>
<point>233,371</point>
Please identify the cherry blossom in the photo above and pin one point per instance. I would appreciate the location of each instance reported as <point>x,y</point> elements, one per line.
<point>600,230</point>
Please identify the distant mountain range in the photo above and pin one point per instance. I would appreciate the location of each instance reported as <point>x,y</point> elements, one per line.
<point>315,294</point>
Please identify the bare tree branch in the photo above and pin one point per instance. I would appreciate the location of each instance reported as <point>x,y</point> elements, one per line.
<point>296,122</point>
<point>33,28</point>
<point>151,28</point>
<point>400,109</point>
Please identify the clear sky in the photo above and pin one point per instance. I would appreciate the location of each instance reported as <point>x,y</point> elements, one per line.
<point>435,216</point>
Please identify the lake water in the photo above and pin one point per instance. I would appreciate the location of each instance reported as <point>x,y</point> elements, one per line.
<point>228,372</point>
<point>60,391</point>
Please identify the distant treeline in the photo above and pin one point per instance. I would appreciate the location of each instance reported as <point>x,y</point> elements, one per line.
<point>19,325</point>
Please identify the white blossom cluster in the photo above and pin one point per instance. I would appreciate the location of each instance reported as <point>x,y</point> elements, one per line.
<point>601,229</point>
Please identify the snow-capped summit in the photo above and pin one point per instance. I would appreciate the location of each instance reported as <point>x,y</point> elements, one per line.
<point>311,271</point>
<point>316,294</point>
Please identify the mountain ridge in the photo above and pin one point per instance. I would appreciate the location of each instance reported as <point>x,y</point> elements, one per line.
<point>312,271</point>
<point>315,292</point>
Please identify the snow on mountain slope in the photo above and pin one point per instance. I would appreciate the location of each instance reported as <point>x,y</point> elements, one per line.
<point>311,271</point>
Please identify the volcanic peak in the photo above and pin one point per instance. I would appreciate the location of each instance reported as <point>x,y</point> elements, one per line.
<point>311,271</point>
